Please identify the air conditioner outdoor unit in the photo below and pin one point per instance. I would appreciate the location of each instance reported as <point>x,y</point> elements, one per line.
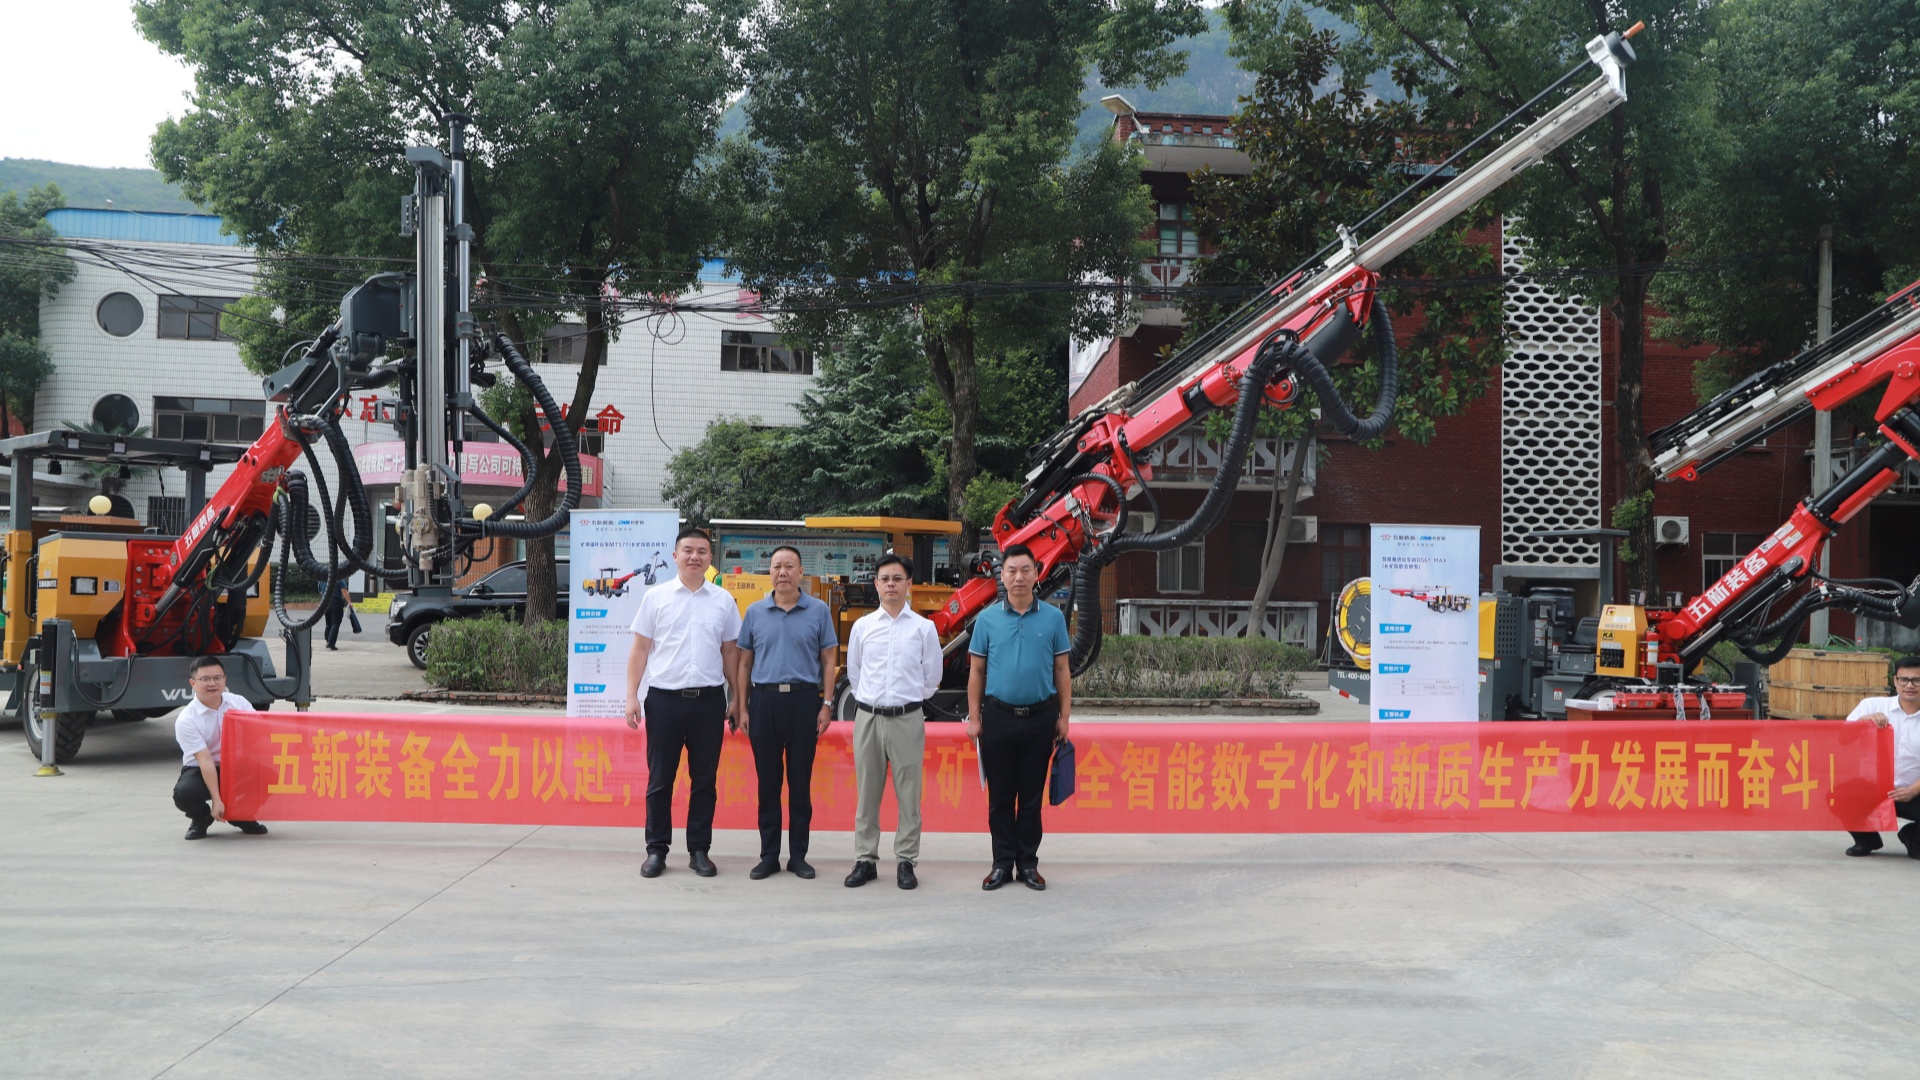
<point>1305,530</point>
<point>1671,530</point>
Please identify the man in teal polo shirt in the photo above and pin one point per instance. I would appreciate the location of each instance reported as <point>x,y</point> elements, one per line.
<point>1019,695</point>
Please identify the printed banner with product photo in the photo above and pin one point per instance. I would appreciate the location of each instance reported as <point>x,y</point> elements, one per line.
<point>1426,623</point>
<point>614,556</point>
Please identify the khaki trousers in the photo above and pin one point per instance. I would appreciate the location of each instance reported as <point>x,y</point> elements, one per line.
<point>880,741</point>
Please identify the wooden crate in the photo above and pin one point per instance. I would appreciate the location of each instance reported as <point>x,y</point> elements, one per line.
<point>1821,684</point>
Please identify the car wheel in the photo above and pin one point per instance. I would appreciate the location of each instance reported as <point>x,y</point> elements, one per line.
<point>417,645</point>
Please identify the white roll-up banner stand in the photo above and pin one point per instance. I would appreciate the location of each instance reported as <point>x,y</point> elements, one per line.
<point>614,556</point>
<point>1426,623</point>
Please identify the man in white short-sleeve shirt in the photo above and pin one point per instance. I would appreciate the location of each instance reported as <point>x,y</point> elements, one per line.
<point>197,730</point>
<point>683,653</point>
<point>1902,713</point>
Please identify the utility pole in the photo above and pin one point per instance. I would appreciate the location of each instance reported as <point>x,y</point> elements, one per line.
<point>1817,626</point>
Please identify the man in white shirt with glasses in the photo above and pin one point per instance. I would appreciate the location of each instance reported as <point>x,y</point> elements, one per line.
<point>893,665</point>
<point>1902,713</point>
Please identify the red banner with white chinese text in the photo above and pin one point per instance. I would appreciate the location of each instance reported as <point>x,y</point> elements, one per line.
<point>1135,778</point>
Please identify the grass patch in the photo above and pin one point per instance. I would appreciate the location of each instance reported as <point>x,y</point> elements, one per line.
<point>491,654</point>
<point>1132,666</point>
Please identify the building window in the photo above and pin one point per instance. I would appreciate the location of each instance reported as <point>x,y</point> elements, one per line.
<point>167,513</point>
<point>208,419</point>
<point>741,350</point>
<point>564,343</point>
<point>1183,569</point>
<point>1246,542</point>
<point>1178,238</point>
<point>116,413</point>
<point>193,318</point>
<point>1343,556</point>
<point>120,314</point>
<point>1719,551</point>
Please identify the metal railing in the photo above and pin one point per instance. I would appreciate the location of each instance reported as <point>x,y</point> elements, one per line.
<point>1291,621</point>
<point>1190,458</point>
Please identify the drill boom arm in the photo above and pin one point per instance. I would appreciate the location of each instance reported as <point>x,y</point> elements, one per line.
<point>1075,496</point>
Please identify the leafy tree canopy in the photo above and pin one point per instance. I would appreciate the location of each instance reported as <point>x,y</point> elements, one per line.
<point>930,144</point>
<point>1812,119</point>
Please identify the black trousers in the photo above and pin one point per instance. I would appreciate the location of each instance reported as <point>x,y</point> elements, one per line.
<point>784,726</point>
<point>1909,835</point>
<point>1014,753</point>
<point>335,614</point>
<point>696,725</point>
<point>190,794</point>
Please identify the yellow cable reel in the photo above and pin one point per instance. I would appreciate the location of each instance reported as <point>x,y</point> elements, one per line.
<point>1353,621</point>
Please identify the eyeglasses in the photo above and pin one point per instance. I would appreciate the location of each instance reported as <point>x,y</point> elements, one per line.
<point>1906,680</point>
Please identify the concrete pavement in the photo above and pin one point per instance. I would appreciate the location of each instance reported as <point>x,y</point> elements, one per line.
<point>418,950</point>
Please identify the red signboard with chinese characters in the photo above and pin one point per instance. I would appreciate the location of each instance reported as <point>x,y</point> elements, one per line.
<point>481,464</point>
<point>1145,778</point>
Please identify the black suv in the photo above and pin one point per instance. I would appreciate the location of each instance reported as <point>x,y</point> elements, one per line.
<point>410,617</point>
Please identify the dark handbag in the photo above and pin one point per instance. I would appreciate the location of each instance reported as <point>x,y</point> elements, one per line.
<point>1060,782</point>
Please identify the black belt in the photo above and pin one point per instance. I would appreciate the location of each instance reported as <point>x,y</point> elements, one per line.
<point>1026,710</point>
<point>691,691</point>
<point>890,710</point>
<point>789,687</point>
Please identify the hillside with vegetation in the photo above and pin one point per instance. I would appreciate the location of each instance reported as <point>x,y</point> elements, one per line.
<point>88,187</point>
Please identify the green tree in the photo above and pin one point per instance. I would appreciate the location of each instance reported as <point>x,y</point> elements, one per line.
<point>739,469</point>
<point>589,118</point>
<point>1325,152</point>
<point>31,273</point>
<point>1813,119</point>
<point>1602,203</point>
<point>930,144</point>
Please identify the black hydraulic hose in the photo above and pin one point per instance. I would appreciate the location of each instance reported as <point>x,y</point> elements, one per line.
<point>1335,410</point>
<point>563,442</point>
<point>354,493</point>
<point>528,463</point>
<point>293,541</point>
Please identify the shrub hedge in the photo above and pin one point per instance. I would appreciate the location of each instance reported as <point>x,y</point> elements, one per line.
<point>1133,666</point>
<point>489,653</point>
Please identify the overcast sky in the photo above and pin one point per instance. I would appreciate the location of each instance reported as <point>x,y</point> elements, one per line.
<point>81,84</point>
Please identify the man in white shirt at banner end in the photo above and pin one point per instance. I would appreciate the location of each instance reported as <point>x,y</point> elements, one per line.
<point>893,665</point>
<point>683,651</point>
<point>197,729</point>
<point>1902,713</point>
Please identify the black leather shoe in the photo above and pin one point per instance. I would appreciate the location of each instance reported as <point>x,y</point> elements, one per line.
<point>197,831</point>
<point>655,865</point>
<point>251,828</point>
<point>1859,849</point>
<point>764,869</point>
<point>801,869</point>
<point>996,877</point>
<point>905,874</point>
<point>701,864</point>
<point>863,872</point>
<point>1030,877</point>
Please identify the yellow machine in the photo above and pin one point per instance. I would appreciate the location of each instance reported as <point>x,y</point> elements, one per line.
<point>849,600</point>
<point>1623,627</point>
